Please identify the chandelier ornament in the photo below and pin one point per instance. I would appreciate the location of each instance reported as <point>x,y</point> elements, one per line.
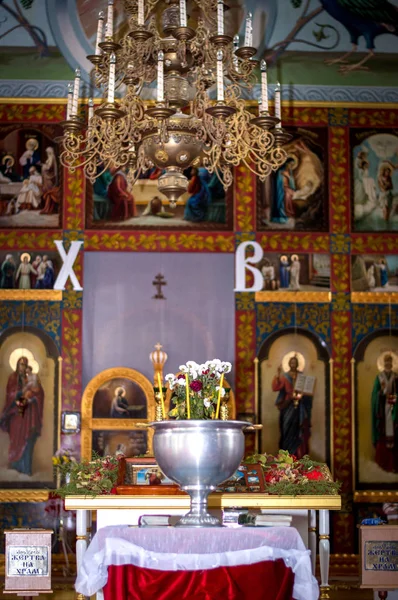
<point>185,127</point>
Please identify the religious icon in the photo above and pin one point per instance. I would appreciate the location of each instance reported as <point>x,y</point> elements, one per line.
<point>22,415</point>
<point>37,272</point>
<point>120,398</point>
<point>385,412</point>
<point>294,270</point>
<point>295,197</point>
<point>294,402</point>
<point>372,273</point>
<point>304,272</point>
<point>375,180</point>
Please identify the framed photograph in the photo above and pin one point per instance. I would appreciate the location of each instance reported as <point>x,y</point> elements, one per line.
<point>254,477</point>
<point>116,405</point>
<point>70,422</point>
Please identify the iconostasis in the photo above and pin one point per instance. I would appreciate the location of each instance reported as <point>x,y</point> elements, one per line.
<point>327,225</point>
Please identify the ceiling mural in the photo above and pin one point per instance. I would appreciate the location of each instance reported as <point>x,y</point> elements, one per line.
<point>314,47</point>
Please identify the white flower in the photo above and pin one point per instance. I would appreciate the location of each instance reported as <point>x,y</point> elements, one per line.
<point>207,402</point>
<point>226,367</point>
<point>193,373</point>
<point>183,369</point>
<point>222,391</point>
<point>191,364</point>
<point>181,380</point>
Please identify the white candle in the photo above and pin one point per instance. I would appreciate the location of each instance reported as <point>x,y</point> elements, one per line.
<point>249,31</point>
<point>220,17</point>
<point>70,101</point>
<point>140,18</point>
<point>100,32</point>
<point>236,47</point>
<point>76,90</point>
<point>278,113</point>
<point>264,87</point>
<point>183,13</point>
<point>160,94</point>
<point>109,22</point>
<point>220,77</point>
<point>90,109</point>
<point>111,83</point>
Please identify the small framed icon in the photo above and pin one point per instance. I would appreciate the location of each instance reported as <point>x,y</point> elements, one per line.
<point>70,422</point>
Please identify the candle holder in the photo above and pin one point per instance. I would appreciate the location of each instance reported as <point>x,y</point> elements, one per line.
<point>160,111</point>
<point>245,52</point>
<point>95,59</point>
<point>265,120</point>
<point>110,111</point>
<point>221,40</point>
<point>158,399</point>
<point>183,34</point>
<point>109,46</point>
<point>140,34</point>
<point>221,110</point>
<point>73,124</point>
<point>281,136</point>
<point>224,409</point>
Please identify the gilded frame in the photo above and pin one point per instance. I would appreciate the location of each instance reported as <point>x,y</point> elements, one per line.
<point>90,424</point>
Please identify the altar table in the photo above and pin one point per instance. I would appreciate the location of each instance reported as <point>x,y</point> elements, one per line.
<point>178,564</point>
<point>126,510</point>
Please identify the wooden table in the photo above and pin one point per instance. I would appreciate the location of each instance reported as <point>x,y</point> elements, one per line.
<point>125,510</point>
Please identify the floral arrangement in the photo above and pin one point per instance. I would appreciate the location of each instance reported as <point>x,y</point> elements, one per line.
<point>88,478</point>
<point>198,389</point>
<point>285,475</point>
<point>62,458</point>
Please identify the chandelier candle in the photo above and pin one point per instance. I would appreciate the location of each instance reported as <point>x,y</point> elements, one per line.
<point>76,90</point>
<point>161,395</point>
<point>90,109</point>
<point>264,87</point>
<point>140,16</point>
<point>111,84</point>
<point>249,31</point>
<point>70,101</point>
<point>183,13</point>
<point>160,90</point>
<point>220,17</point>
<point>100,33</point>
<point>278,110</point>
<point>109,23</point>
<point>220,77</point>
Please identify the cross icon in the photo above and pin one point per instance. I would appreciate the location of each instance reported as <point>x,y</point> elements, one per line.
<point>158,282</point>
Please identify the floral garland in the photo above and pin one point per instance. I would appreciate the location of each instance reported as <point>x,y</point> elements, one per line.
<point>89,478</point>
<point>285,475</point>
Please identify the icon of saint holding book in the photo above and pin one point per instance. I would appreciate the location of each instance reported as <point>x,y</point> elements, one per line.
<point>294,401</point>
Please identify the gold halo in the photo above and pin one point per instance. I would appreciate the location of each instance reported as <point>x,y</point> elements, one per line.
<point>288,356</point>
<point>25,254</point>
<point>283,257</point>
<point>380,360</point>
<point>120,387</point>
<point>295,257</point>
<point>19,353</point>
<point>32,140</point>
<point>8,157</point>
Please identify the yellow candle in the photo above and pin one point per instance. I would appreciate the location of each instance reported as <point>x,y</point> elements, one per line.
<point>187,393</point>
<point>219,395</point>
<point>161,396</point>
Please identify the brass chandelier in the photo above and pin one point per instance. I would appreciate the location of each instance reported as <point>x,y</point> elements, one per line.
<point>184,127</point>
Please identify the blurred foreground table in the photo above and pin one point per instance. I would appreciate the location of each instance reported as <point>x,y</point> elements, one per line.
<point>126,510</point>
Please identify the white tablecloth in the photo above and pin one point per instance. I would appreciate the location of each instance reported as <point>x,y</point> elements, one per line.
<point>174,549</point>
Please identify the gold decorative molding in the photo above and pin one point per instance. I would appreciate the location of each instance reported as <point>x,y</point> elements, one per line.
<point>294,297</point>
<point>217,500</point>
<point>24,495</point>
<point>374,297</point>
<point>26,295</point>
<point>377,496</point>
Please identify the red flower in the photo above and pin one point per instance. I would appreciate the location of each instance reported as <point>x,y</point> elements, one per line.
<point>316,474</point>
<point>196,385</point>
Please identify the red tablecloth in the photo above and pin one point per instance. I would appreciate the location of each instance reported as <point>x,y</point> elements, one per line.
<point>268,580</point>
